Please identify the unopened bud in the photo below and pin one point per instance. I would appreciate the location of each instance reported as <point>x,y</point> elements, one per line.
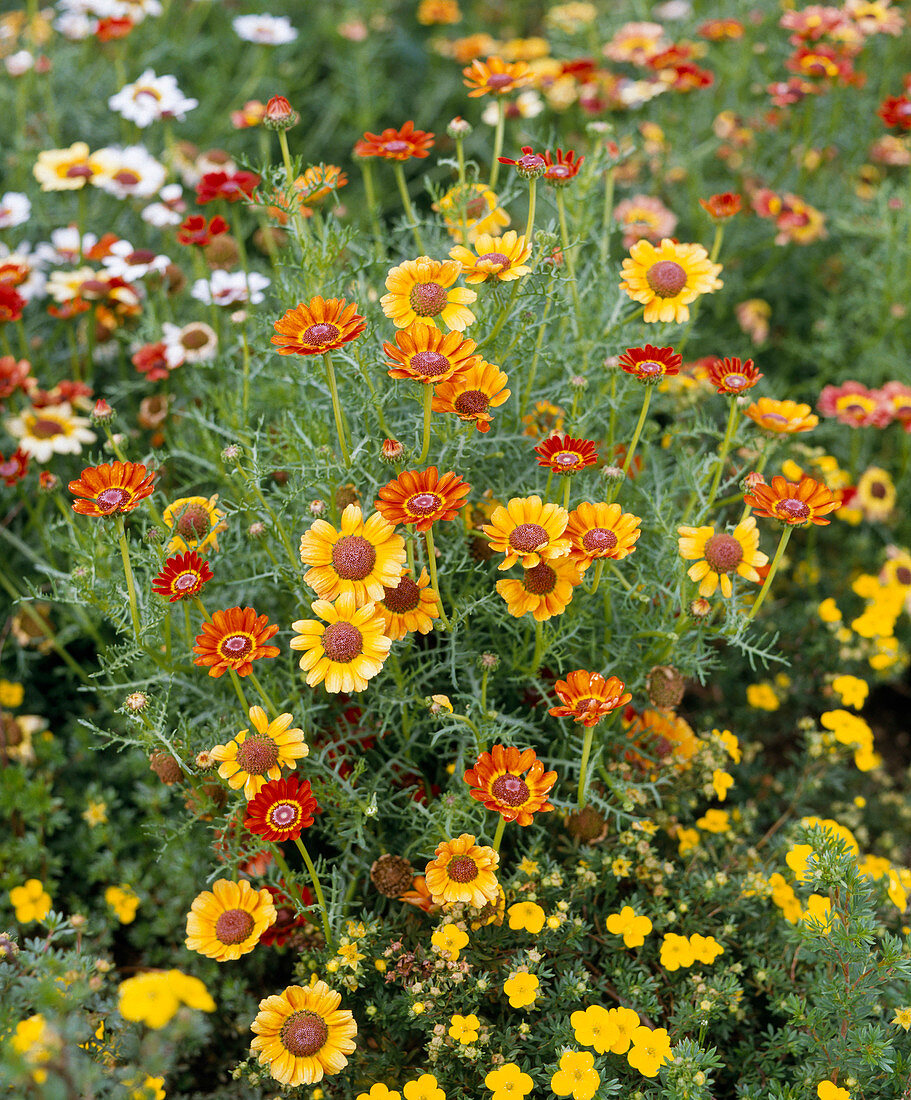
<point>48,482</point>
<point>613,475</point>
<point>392,450</point>
<point>280,115</point>
<point>256,530</point>
<point>317,507</point>
<point>459,128</point>
<point>230,452</point>
<point>751,482</point>
<point>102,412</point>
<point>490,661</point>
<point>700,608</point>
<point>136,702</point>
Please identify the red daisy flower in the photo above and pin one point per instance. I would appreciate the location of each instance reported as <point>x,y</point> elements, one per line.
<point>394,144</point>
<point>563,168</point>
<point>196,230</point>
<point>230,188</point>
<point>566,455</point>
<point>11,303</point>
<point>650,364</point>
<point>183,576</point>
<point>152,361</point>
<point>530,164</point>
<point>722,206</point>
<point>732,376</point>
<point>15,467</point>
<point>895,110</point>
<point>282,809</point>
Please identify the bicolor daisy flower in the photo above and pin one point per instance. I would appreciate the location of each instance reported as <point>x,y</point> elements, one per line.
<point>511,782</point>
<point>281,810</point>
<point>426,355</point>
<point>421,290</point>
<point>667,279</point>
<point>420,498</point>
<point>731,376</point>
<point>234,639</point>
<point>782,417</point>
<point>807,501</point>
<point>111,489</point>
<point>363,558</point>
<point>720,554</point>
<point>196,523</point>
<point>392,144</point>
<point>650,364</point>
<point>601,530</point>
<point>472,393</point>
<point>50,430</point>
<point>495,76</point>
<point>565,455</point>
<point>545,589</point>
<point>318,326</point>
<point>587,697</point>
<point>498,259</point>
<point>182,577</point>
<point>409,606</point>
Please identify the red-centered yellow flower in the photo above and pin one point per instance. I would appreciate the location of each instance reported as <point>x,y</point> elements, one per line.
<point>495,76</point>
<point>420,498</point>
<point>362,558</point>
<point>565,455</point>
<point>426,355</point>
<point>720,554</point>
<point>318,181</point>
<point>250,759</point>
<point>234,639</point>
<point>472,393</point>
<point>528,531</point>
<point>182,577</point>
<point>587,697</point>
<point>348,651</point>
<point>463,871</point>
<point>408,606</point>
<point>731,376</point>
<point>302,1035</point>
<point>668,278</point>
<point>66,169</point>
<point>111,489</point>
<point>807,501</point>
<point>664,735</point>
<point>394,144</point>
<point>545,589</point>
<point>499,258</point>
<point>318,326</point>
<point>511,782</point>
<point>421,290</point>
<point>601,530</point>
<point>196,521</point>
<point>227,921</point>
<point>782,417</point>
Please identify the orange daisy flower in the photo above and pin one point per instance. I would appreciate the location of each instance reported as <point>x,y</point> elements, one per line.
<point>408,606</point>
<point>782,417</point>
<point>471,393</point>
<point>495,76</point>
<point>425,355</point>
<point>662,734</point>
<point>499,258</point>
<point>318,181</point>
<point>565,455</point>
<point>511,782</point>
<point>545,589</point>
<point>419,293</point>
<point>463,871</point>
<point>722,206</point>
<point>419,895</point>
<point>319,326</point>
<point>796,504</point>
<point>587,697</point>
<point>394,144</point>
<point>650,364</point>
<point>732,376</point>
<point>361,558</point>
<point>111,489</point>
<point>601,531</point>
<point>420,498</point>
<point>529,530</point>
<point>234,639</point>
<point>183,576</point>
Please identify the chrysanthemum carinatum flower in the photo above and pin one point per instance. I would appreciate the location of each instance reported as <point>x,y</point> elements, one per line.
<point>587,697</point>
<point>463,871</point>
<point>720,554</point>
<point>111,489</point>
<point>511,782</point>
<point>363,558</point>
<point>668,278</point>
<point>250,759</point>
<point>346,651</point>
<point>228,920</point>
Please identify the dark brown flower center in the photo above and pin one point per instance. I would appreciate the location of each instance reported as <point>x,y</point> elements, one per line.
<point>342,642</point>
<point>353,557</point>
<point>511,790</point>
<point>429,364</point>
<point>462,869</point>
<point>527,537</point>
<point>423,504</point>
<point>46,429</point>
<point>303,1034</point>
<point>472,403</point>
<point>666,278</point>
<point>194,338</point>
<point>257,755</point>
<point>234,926</point>
<point>318,335</point>
<point>476,207</point>
<point>878,490</point>
<point>193,522</point>
<point>792,510</point>
<point>723,553</point>
<point>599,540</point>
<point>540,580</point>
<point>427,299</point>
<point>236,646</point>
<point>903,575</point>
<point>141,256</point>
<point>499,80</point>
<point>495,258</point>
<point>404,597</point>
<point>110,499</point>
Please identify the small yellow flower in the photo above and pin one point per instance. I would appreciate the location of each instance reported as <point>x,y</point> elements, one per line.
<point>464,1029</point>
<point>631,927</point>
<point>124,901</point>
<point>902,1018</point>
<point>851,690</point>
<point>818,914</point>
<point>651,1049</point>
<point>425,1088</point>
<point>676,951</point>
<point>521,988</point>
<point>825,1090</point>
<point>731,744</point>
<point>31,901</point>
<point>527,916</point>
<point>577,1076</point>
<point>706,949</point>
<point>449,940</point>
<point>528,867</point>
<point>828,611</point>
<point>349,955</point>
<point>722,782</point>
<point>378,1091</point>
<point>508,1082</point>
<point>715,821</point>
<point>96,813</point>
<point>687,840</point>
<point>11,695</point>
<point>763,697</point>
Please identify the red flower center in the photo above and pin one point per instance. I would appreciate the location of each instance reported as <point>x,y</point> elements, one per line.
<point>567,459</point>
<point>423,504</point>
<point>666,278</point>
<point>193,522</point>
<point>257,755</point>
<point>723,553</point>
<point>540,580</point>
<point>511,790</point>
<point>342,642</point>
<point>353,557</point>
<point>236,646</point>
<point>320,334</point>
<point>903,575</point>
<point>404,597</point>
<point>775,418</point>
<point>427,299</point>
<point>472,403</point>
<point>126,178</point>
<point>462,869</point>
<point>558,172</point>
<point>878,491</point>
<point>194,338</point>
<point>396,146</point>
<point>303,1034</point>
<point>46,429</point>
<point>284,814</point>
<point>495,258</point>
<point>599,540</point>
<point>109,500</point>
<point>79,172</point>
<point>792,510</point>
<point>499,80</point>
<point>429,364</point>
<point>234,926</point>
<point>527,537</point>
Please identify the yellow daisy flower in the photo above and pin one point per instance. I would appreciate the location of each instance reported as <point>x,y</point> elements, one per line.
<point>463,871</point>
<point>499,258</point>
<point>250,761</point>
<point>227,921</point>
<point>471,209</point>
<point>721,554</point>
<point>544,590</point>
<point>363,558</point>
<point>196,523</point>
<point>668,278</point>
<point>408,606</point>
<point>419,292</point>
<point>348,651</point>
<point>528,530</point>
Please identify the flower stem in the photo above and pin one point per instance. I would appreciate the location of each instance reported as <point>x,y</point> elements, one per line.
<point>534,363</point>
<point>539,647</point>
<point>425,442</point>
<point>498,835</point>
<point>773,569</point>
<point>406,202</point>
<point>532,196</point>
<point>583,763</point>
<point>370,195</point>
<point>504,313</point>
<point>631,450</point>
<point>317,889</point>
<point>568,256</point>
<point>235,680</point>
<point>723,453</point>
<point>263,694</point>
<point>337,408</point>
<point>128,573</point>
<point>567,485</point>
<point>497,142</point>
<point>432,565</point>
<point>599,569</point>
<point>716,243</point>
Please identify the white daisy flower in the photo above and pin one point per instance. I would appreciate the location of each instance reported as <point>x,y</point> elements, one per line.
<point>128,172</point>
<point>15,209</point>
<point>267,30</point>
<point>51,430</point>
<point>151,98</point>
<point>227,287</point>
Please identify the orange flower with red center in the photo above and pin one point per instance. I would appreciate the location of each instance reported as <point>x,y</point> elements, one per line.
<point>182,577</point>
<point>317,327</point>
<point>601,530</point>
<point>563,168</point>
<point>317,182</point>
<point>281,810</point>
<point>15,467</point>
<point>472,393</point>
<point>587,697</point>
<point>421,290</point>
<point>782,417</point>
<point>722,206</point>
<point>529,530</point>
<point>796,504</point>
<point>495,76</point>
<point>511,782</point>
<point>111,489</point>
<point>732,376</point>
<point>565,455</point>
<point>425,355</point>
<point>650,364</point>
<point>545,589</point>
<point>463,871</point>
<point>394,144</point>
<point>420,498</point>
<point>234,639</point>
<point>663,735</point>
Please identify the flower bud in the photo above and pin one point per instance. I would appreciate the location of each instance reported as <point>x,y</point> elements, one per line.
<point>392,450</point>
<point>102,412</point>
<point>700,608</point>
<point>280,115</point>
<point>136,702</point>
<point>48,482</point>
<point>459,128</point>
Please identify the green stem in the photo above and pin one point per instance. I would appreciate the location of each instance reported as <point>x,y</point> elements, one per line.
<point>485,672</point>
<point>235,680</point>
<point>498,835</point>
<point>631,450</point>
<point>568,256</point>
<point>128,573</point>
<point>567,485</point>
<point>532,196</point>
<point>337,409</point>
<point>624,320</point>
<point>583,763</point>
<point>498,142</point>
<point>504,313</point>
<point>599,570</point>
<point>722,454</point>
<point>534,363</point>
<point>773,569</point>
<point>716,243</point>
<point>539,647</point>
<point>370,196</point>
<point>432,566</point>
<point>263,694</point>
<point>406,202</point>
<point>27,608</point>
<point>317,889</point>
<point>425,442</point>
<point>245,400</point>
